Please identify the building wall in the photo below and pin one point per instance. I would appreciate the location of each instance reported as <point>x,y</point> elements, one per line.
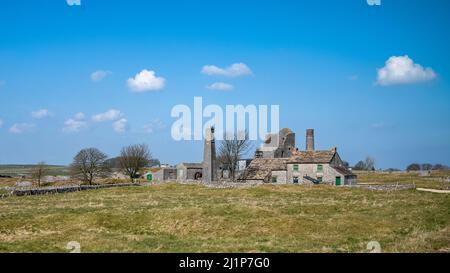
<point>191,173</point>
<point>181,173</point>
<point>163,174</point>
<point>170,174</point>
<point>350,180</point>
<point>337,161</point>
<point>157,175</point>
<point>187,173</point>
<point>281,177</point>
<point>328,174</point>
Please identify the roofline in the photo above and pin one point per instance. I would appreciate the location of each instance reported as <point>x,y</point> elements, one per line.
<point>309,162</point>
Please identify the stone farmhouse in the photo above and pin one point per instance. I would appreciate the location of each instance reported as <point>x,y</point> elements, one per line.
<point>284,164</point>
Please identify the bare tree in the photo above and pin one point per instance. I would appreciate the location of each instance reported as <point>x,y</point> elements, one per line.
<point>39,171</point>
<point>369,163</point>
<point>133,158</point>
<point>360,166</point>
<point>232,149</point>
<point>89,164</point>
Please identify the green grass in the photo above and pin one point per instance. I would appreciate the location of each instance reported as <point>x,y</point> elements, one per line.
<point>188,218</point>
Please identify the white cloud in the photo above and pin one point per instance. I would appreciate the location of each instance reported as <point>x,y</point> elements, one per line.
<point>154,125</point>
<point>40,114</point>
<point>120,125</point>
<point>99,75</point>
<point>234,70</point>
<point>220,86</point>
<point>73,2</point>
<point>79,116</point>
<point>146,80</point>
<point>110,115</point>
<point>75,124</point>
<point>403,70</point>
<point>19,128</point>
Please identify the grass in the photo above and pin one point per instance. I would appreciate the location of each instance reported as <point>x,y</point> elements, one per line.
<point>190,218</point>
<point>27,169</point>
<point>435,180</point>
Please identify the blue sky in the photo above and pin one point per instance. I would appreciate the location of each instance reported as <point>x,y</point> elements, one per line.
<point>319,60</point>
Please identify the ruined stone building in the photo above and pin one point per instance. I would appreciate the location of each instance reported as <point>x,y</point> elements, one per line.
<point>161,174</point>
<point>207,171</point>
<point>210,170</point>
<point>279,145</point>
<point>189,172</point>
<point>288,165</point>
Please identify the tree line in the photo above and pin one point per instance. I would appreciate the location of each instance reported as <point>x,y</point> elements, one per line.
<point>426,167</point>
<point>91,163</point>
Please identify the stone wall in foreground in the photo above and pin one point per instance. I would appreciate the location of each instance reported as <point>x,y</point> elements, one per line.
<point>53,190</point>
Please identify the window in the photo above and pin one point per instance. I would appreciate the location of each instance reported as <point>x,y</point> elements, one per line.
<point>274,179</point>
<point>295,180</point>
<point>320,168</point>
<point>296,167</point>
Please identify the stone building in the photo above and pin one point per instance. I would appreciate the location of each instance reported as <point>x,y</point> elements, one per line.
<point>189,172</point>
<point>279,145</point>
<point>300,167</point>
<point>224,173</point>
<point>161,174</point>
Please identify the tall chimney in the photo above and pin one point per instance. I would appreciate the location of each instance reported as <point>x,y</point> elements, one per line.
<point>310,139</point>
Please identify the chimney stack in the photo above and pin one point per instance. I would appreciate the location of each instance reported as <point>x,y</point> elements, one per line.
<point>310,140</point>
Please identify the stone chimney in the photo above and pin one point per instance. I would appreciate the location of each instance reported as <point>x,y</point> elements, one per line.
<point>310,140</point>
<point>209,157</point>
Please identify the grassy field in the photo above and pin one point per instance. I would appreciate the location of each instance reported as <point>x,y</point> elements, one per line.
<point>189,218</point>
<point>435,180</point>
<point>18,170</point>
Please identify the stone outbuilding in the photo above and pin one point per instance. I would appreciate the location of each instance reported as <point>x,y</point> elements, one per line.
<point>161,174</point>
<point>189,172</point>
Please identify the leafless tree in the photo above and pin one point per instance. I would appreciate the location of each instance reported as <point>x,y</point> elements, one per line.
<point>369,163</point>
<point>89,164</point>
<point>232,149</point>
<point>39,171</point>
<point>133,158</point>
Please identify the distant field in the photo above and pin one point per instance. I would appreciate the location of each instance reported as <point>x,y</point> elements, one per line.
<point>435,180</point>
<point>18,170</point>
<point>188,218</point>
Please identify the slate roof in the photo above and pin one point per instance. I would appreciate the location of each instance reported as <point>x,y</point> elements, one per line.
<point>343,170</point>
<point>314,157</point>
<point>260,168</point>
